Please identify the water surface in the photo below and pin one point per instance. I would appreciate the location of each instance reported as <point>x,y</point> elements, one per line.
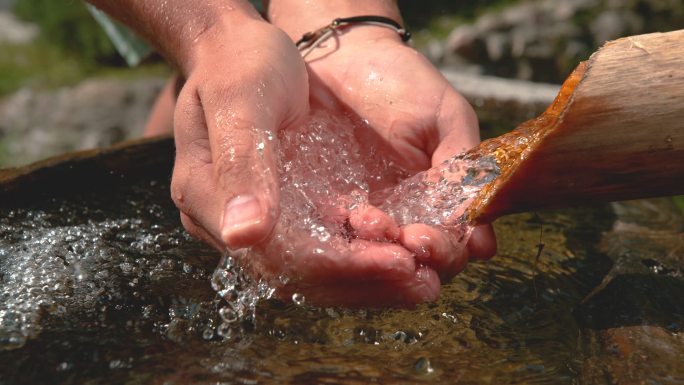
<point>134,305</point>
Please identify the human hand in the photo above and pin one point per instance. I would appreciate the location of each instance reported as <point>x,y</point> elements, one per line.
<point>416,118</point>
<point>329,244</point>
<point>240,90</point>
<point>244,81</point>
<point>234,106</point>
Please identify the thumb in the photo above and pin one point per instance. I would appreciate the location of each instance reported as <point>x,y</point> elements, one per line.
<point>457,127</point>
<point>243,141</point>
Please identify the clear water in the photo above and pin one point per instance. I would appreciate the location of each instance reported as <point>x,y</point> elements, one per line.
<point>140,308</point>
<point>49,259</point>
<point>104,286</point>
<point>327,172</point>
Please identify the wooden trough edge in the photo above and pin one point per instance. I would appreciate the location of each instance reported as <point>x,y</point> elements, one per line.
<point>88,169</point>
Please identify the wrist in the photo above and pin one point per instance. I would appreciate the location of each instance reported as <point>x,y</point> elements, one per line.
<point>231,31</point>
<point>175,26</point>
<point>297,17</point>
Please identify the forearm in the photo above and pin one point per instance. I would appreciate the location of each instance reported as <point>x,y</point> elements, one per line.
<point>175,26</point>
<point>297,17</point>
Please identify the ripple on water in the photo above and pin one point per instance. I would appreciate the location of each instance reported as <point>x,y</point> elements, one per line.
<point>106,287</point>
<point>326,172</point>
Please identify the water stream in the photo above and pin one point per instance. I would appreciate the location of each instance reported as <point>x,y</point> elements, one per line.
<point>104,286</point>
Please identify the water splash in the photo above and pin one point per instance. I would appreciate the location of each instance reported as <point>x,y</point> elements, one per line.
<point>71,256</point>
<point>441,195</point>
<point>326,172</point>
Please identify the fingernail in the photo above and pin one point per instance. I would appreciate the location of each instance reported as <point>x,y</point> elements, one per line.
<point>241,211</point>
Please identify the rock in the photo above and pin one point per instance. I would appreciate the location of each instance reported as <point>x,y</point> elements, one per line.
<point>639,354</point>
<point>501,103</point>
<point>13,31</point>
<point>98,112</point>
<point>544,40</point>
<point>635,318</point>
<point>464,41</point>
<point>612,24</point>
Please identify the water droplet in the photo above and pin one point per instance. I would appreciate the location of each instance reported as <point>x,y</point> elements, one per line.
<point>423,366</point>
<point>119,364</point>
<point>298,299</point>
<point>224,330</point>
<point>228,315</point>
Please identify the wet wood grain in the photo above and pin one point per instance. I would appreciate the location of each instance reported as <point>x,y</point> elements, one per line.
<point>615,132</point>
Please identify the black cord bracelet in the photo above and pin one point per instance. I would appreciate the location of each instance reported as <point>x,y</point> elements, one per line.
<point>313,39</point>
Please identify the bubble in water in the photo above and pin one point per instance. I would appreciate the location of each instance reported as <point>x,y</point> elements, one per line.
<point>51,263</point>
<point>298,299</point>
<point>400,336</point>
<point>208,334</point>
<point>327,170</point>
<point>424,366</point>
<point>228,315</point>
<point>224,331</point>
<point>120,364</point>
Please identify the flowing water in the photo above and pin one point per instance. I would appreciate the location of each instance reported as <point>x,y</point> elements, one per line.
<point>104,286</point>
<point>109,289</point>
<point>328,172</point>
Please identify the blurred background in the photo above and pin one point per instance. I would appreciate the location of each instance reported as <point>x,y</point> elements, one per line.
<point>600,303</point>
<point>63,86</point>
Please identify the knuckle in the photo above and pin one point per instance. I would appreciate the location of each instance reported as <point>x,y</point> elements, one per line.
<point>187,222</point>
<point>232,165</point>
<point>179,183</point>
<point>190,225</point>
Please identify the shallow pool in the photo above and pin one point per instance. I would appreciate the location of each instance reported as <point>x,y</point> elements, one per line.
<point>103,286</point>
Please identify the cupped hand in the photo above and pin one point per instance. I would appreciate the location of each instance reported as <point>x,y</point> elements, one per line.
<point>342,269</point>
<point>240,90</point>
<point>415,118</point>
<point>238,99</point>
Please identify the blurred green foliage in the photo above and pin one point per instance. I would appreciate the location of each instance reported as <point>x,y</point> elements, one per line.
<point>434,19</point>
<point>71,46</point>
<point>40,65</point>
<point>679,201</point>
<point>69,26</point>
<point>421,14</point>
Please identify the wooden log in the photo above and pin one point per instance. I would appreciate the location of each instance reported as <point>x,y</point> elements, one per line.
<point>614,132</point>
<point>82,170</point>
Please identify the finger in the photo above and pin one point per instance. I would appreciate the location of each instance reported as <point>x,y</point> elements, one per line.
<point>373,224</point>
<point>243,154</point>
<point>457,127</point>
<point>337,260</point>
<point>193,188</point>
<point>422,286</point>
<point>363,261</point>
<point>482,243</point>
<point>434,247</point>
<point>242,130</point>
<point>198,232</point>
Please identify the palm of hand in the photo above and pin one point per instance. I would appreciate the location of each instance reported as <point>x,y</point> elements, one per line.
<point>412,109</point>
<point>329,244</point>
<point>364,258</point>
<point>415,119</point>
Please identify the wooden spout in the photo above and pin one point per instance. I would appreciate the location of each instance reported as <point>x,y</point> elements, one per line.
<point>614,132</point>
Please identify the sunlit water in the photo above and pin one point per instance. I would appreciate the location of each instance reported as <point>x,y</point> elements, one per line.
<point>135,304</point>
<point>327,170</point>
<point>104,286</point>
